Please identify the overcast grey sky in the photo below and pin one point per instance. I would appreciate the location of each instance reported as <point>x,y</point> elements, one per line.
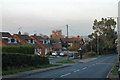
<point>43,16</point>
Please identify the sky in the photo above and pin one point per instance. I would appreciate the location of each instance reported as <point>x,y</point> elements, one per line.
<point>43,16</point>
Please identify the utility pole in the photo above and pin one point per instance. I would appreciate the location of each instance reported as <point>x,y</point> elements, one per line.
<point>67,42</point>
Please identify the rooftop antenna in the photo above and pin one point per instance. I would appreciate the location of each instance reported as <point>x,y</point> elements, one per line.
<point>19,29</point>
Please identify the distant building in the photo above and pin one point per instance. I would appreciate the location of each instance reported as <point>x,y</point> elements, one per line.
<point>56,34</point>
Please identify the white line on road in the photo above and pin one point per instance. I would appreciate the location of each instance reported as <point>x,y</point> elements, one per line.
<point>93,64</point>
<point>77,70</point>
<point>65,74</point>
<point>84,68</point>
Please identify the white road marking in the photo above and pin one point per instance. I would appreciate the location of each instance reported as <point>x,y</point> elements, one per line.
<point>84,68</point>
<point>93,64</point>
<point>77,70</point>
<point>65,74</point>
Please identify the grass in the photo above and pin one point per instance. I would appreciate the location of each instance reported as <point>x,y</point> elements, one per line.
<point>66,61</point>
<point>115,69</point>
<point>13,71</point>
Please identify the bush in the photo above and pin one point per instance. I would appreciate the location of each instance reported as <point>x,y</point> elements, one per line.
<point>26,49</point>
<point>13,61</point>
<point>91,54</point>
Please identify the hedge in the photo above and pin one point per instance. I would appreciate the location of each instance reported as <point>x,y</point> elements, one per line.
<point>14,61</point>
<point>26,49</point>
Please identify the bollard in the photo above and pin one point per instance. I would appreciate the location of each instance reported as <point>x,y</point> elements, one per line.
<point>67,57</point>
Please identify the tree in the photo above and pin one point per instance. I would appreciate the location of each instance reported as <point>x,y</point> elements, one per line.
<point>74,47</point>
<point>104,32</point>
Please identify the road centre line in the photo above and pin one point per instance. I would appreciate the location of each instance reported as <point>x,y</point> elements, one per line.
<point>77,70</point>
<point>65,74</point>
<point>84,68</point>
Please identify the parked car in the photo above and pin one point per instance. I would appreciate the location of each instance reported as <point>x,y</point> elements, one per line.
<point>62,54</point>
<point>70,54</point>
<point>54,53</point>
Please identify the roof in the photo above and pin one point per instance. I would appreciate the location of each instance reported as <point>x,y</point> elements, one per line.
<point>71,40</point>
<point>40,39</point>
<point>5,41</point>
<point>24,37</point>
<point>37,45</point>
<point>5,34</point>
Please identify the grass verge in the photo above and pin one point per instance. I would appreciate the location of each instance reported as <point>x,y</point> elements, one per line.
<point>27,69</point>
<point>115,69</point>
<point>66,61</point>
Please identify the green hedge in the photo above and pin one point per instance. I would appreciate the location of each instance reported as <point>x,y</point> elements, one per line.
<point>26,49</point>
<point>13,61</point>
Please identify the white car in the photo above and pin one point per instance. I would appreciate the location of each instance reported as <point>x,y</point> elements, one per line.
<point>54,53</point>
<point>62,54</point>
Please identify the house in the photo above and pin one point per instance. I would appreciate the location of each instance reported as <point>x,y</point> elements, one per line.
<point>44,42</point>
<point>8,40</point>
<point>72,41</point>
<point>57,46</point>
<point>25,40</point>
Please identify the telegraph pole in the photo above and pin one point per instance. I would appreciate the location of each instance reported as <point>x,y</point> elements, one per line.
<point>67,42</point>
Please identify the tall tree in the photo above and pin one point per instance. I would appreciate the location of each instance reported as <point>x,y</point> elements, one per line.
<point>104,31</point>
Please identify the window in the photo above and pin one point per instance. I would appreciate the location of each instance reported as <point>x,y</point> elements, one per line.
<point>12,40</point>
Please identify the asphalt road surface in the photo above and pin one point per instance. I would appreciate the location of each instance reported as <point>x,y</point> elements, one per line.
<point>98,68</point>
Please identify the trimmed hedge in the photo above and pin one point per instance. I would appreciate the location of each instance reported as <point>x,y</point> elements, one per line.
<point>26,49</point>
<point>16,61</point>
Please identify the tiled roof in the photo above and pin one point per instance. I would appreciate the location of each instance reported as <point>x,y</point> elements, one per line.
<point>24,37</point>
<point>5,34</point>
<point>71,40</point>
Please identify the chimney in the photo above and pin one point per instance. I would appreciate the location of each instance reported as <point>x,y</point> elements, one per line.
<point>34,34</point>
<point>77,36</point>
<point>19,33</point>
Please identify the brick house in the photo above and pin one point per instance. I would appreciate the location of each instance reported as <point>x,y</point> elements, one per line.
<point>72,41</point>
<point>25,40</point>
<point>44,42</point>
<point>8,40</point>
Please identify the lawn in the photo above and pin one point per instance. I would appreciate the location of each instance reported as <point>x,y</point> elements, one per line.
<point>66,61</point>
<point>27,69</point>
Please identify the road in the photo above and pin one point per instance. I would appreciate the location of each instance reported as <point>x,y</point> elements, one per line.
<point>98,68</point>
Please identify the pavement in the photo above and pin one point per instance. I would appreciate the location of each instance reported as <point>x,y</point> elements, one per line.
<point>89,68</point>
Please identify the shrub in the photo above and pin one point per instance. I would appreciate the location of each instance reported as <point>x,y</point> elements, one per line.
<point>13,61</point>
<point>26,49</point>
<point>91,54</point>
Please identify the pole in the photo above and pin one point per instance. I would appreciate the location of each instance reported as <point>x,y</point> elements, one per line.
<point>97,45</point>
<point>67,43</point>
